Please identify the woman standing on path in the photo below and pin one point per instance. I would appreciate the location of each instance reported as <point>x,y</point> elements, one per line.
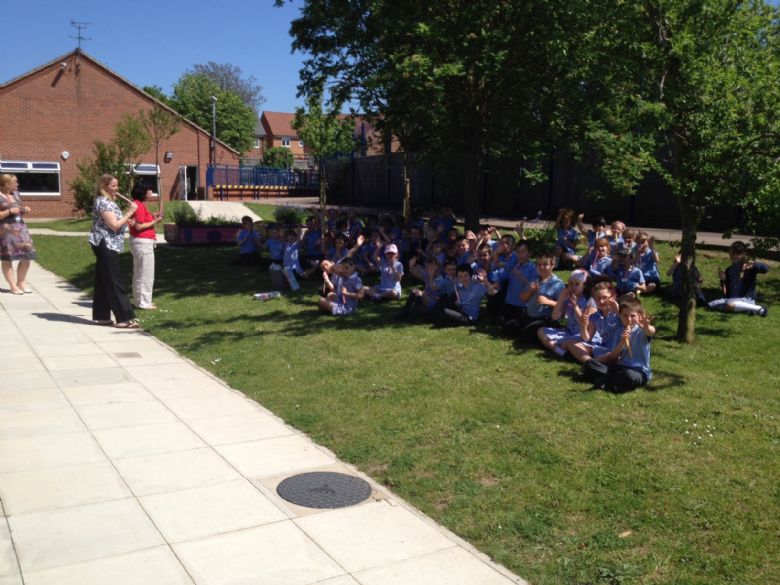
<point>15,241</point>
<point>107,240</point>
<point>142,241</point>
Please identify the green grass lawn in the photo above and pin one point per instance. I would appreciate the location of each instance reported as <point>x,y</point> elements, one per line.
<point>85,224</point>
<point>509,448</point>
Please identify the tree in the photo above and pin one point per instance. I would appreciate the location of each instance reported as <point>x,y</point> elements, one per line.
<point>476,79</point>
<point>115,158</point>
<point>160,125</point>
<point>157,92</point>
<point>231,78</point>
<point>324,134</point>
<point>278,157</point>
<point>235,121</point>
<point>689,89</point>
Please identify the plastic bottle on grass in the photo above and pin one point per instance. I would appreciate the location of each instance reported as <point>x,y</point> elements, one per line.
<point>265,296</point>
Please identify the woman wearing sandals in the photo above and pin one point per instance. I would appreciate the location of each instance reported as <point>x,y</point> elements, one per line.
<point>107,240</point>
<point>15,241</point>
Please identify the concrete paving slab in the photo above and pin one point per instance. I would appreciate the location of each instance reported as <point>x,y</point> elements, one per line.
<point>26,453</point>
<point>266,555</point>
<point>8,563</point>
<point>108,393</point>
<point>462,569</point>
<point>39,423</point>
<point>89,376</point>
<point>23,380</point>
<point>239,428</point>
<point>372,534</point>
<point>146,440</point>
<point>73,349</point>
<point>62,537</point>
<point>275,456</point>
<point>60,487</point>
<point>199,407</point>
<point>124,414</point>
<point>154,566</point>
<point>79,362</point>
<point>170,389</point>
<point>14,578</point>
<point>200,512</point>
<point>32,399</point>
<point>175,471</point>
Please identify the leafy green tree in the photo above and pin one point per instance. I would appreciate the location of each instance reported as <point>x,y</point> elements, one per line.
<point>231,78</point>
<point>235,120</point>
<point>324,134</point>
<point>157,92</point>
<point>475,79</point>
<point>114,157</point>
<point>160,125</point>
<point>689,89</point>
<point>278,157</point>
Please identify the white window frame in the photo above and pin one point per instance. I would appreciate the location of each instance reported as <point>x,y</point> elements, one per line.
<point>286,141</point>
<point>146,169</point>
<point>22,167</point>
<point>300,143</point>
<point>257,143</point>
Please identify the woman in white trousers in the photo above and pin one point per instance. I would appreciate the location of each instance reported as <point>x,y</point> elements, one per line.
<point>142,242</point>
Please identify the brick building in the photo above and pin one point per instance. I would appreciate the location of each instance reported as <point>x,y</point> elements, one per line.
<point>52,116</point>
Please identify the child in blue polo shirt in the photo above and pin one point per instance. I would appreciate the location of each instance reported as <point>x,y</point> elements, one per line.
<point>344,288</point>
<point>469,292</point>
<point>647,261</point>
<point>597,330</point>
<point>627,364</point>
<point>575,307</point>
<point>598,263</point>
<point>568,237</point>
<point>541,296</point>
<point>518,273</point>
<point>738,282</point>
<point>628,278</point>
<point>391,271</point>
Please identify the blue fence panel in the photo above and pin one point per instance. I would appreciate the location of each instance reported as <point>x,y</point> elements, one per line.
<point>261,176</point>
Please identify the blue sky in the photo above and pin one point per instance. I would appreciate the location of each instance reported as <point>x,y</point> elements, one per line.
<point>154,42</point>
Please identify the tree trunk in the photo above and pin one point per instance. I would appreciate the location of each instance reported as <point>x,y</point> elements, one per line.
<point>407,207</point>
<point>686,320</point>
<point>474,164</point>
<point>323,185</point>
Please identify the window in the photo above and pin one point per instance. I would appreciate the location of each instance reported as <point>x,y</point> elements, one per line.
<point>257,142</point>
<point>35,178</point>
<point>300,143</point>
<point>286,141</point>
<point>147,175</point>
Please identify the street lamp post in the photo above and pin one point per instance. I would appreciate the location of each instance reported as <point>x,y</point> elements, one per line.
<point>213,145</point>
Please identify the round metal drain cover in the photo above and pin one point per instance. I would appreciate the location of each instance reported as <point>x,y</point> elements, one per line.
<point>324,489</point>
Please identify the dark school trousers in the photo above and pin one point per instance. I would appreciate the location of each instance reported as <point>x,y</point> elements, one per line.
<point>110,294</point>
<point>613,377</point>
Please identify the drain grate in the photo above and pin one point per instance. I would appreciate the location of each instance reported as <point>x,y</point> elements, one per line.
<point>324,489</point>
<point>128,354</point>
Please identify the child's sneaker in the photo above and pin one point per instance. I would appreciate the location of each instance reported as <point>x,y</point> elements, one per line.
<point>762,312</point>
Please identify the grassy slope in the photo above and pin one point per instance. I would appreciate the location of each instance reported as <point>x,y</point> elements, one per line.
<point>504,445</point>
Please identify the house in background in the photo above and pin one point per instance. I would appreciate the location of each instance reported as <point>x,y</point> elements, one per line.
<point>280,133</point>
<point>255,154</point>
<point>52,116</point>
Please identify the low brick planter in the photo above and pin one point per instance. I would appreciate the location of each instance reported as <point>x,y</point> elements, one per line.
<point>200,235</point>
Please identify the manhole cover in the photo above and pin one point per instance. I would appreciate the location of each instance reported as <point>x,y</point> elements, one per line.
<point>324,489</point>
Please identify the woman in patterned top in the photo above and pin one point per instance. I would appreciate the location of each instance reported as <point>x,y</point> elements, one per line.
<point>107,240</point>
<point>15,241</point>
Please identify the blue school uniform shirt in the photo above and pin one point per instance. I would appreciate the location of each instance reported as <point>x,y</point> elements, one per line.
<point>550,288</point>
<point>387,279</point>
<point>249,245</point>
<point>743,285</point>
<point>627,280</point>
<point>336,255</point>
<point>599,267</point>
<point>606,325</point>
<point>290,258</point>
<point>518,279</point>
<point>444,286</point>
<point>491,271</point>
<point>311,242</point>
<point>593,237</point>
<point>647,264</point>
<point>567,239</point>
<point>275,249</point>
<point>639,358</point>
<point>353,284</point>
<point>615,244</point>
<point>572,323</point>
<point>470,298</point>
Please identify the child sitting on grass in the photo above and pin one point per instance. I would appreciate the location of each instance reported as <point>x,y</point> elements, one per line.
<point>738,282</point>
<point>628,278</point>
<point>390,273</point>
<point>597,329</point>
<point>247,239</point>
<point>469,292</point>
<point>573,305</point>
<point>627,363</point>
<point>676,272</point>
<point>343,287</point>
<point>568,236</point>
<point>647,261</point>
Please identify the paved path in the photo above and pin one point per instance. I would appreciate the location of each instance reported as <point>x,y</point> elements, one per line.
<point>122,463</point>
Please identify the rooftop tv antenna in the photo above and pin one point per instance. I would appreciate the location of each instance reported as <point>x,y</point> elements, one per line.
<point>80,28</point>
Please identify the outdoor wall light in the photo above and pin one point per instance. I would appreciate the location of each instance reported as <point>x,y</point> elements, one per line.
<point>168,156</point>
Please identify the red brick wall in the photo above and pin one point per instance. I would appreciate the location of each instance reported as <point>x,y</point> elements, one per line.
<point>54,110</point>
